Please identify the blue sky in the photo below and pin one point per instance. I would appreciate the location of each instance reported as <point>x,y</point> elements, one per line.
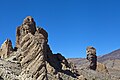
<point>72,25</point>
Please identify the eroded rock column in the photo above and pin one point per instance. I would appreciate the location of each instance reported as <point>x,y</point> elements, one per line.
<point>91,57</point>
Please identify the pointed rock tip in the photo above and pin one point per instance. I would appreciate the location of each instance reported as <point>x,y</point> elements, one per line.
<point>28,19</point>
<point>90,47</point>
<point>7,40</point>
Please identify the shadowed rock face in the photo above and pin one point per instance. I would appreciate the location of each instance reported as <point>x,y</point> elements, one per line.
<point>91,57</point>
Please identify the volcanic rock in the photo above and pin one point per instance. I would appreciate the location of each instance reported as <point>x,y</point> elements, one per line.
<point>6,49</point>
<point>91,56</point>
<point>28,26</point>
<point>35,58</point>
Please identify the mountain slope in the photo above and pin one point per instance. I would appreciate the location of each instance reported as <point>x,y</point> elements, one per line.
<point>109,62</point>
<point>110,56</point>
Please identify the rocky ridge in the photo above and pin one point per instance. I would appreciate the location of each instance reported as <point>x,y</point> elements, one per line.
<point>32,58</point>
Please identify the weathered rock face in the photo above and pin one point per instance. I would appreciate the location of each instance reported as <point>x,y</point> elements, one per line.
<point>28,26</point>
<point>91,56</point>
<point>37,62</point>
<point>33,57</point>
<point>6,49</point>
<point>9,70</point>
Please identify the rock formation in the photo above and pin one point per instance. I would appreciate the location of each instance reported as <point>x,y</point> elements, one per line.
<point>28,26</point>
<point>32,59</point>
<point>35,58</point>
<point>101,67</point>
<point>6,49</point>
<point>91,57</point>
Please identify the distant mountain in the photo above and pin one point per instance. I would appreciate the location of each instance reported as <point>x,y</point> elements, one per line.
<point>111,61</point>
<point>110,56</point>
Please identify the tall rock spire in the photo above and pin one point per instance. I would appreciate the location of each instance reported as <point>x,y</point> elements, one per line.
<point>37,62</point>
<point>91,57</point>
<point>28,26</point>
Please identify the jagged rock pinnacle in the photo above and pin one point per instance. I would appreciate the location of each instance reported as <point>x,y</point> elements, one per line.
<point>91,56</point>
<point>34,56</point>
<point>6,49</point>
<point>28,26</point>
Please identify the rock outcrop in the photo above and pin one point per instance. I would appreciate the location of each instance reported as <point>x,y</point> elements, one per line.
<point>28,26</point>
<point>101,67</point>
<point>6,49</point>
<point>32,59</point>
<point>91,56</point>
<point>35,58</point>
